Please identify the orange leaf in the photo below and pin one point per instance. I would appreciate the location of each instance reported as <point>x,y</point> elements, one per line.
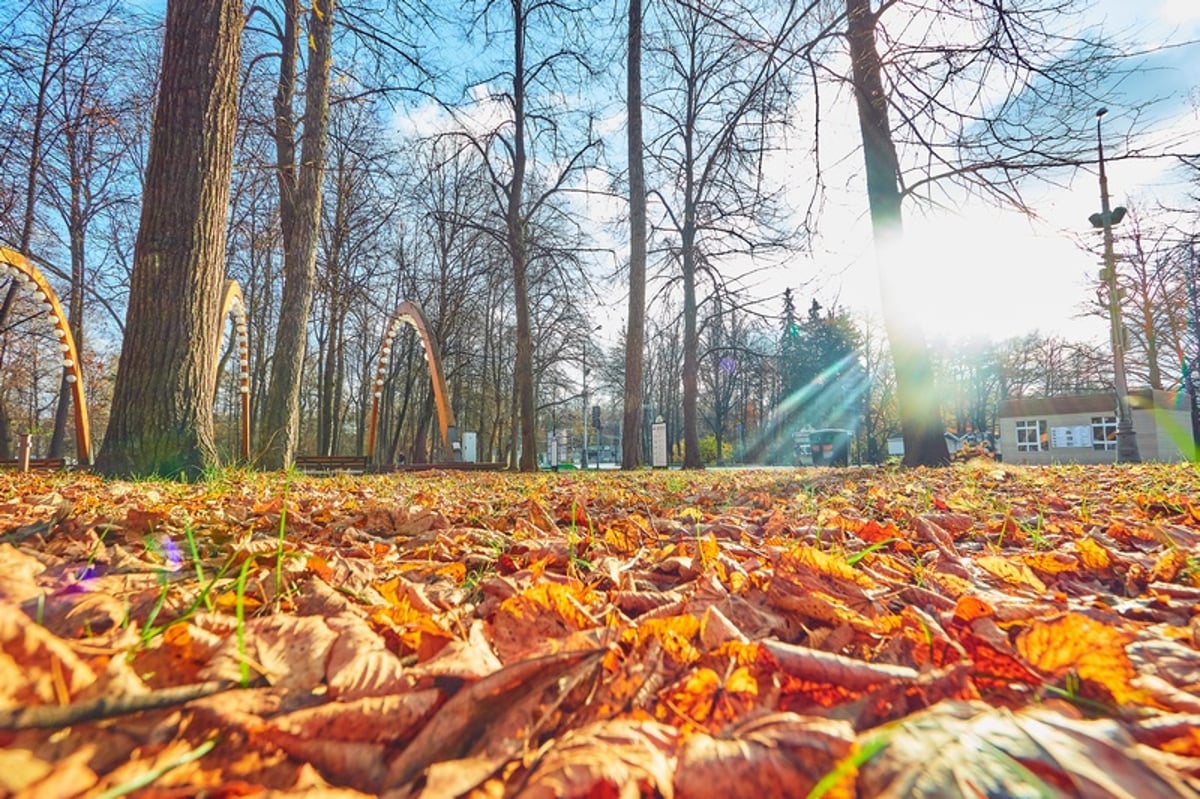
<point>1093,650</point>
<point>319,566</point>
<point>969,608</point>
<point>676,634</point>
<point>706,699</point>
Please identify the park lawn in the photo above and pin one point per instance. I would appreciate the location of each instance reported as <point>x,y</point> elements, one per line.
<point>977,630</point>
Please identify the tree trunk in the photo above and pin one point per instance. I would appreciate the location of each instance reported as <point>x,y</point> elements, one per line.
<point>76,227</point>
<point>920,418</point>
<point>523,374</point>
<point>300,218</point>
<point>161,415</point>
<point>5,432</point>
<point>691,359</point>
<point>635,333</point>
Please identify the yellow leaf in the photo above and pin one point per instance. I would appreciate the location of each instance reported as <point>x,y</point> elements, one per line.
<point>1009,572</point>
<point>1051,562</point>
<point>676,635</point>
<point>1093,556</point>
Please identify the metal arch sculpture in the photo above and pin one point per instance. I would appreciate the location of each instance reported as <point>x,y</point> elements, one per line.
<point>408,313</point>
<point>15,265</point>
<point>234,304</point>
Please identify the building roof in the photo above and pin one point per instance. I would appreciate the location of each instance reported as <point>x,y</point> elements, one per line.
<point>1096,402</point>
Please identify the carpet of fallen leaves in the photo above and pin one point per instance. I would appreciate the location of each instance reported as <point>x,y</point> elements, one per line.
<point>982,630</point>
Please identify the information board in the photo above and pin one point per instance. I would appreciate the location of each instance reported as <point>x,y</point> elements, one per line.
<point>658,443</point>
<point>1076,436</point>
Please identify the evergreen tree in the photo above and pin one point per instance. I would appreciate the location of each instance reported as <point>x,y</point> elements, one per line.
<point>830,378</point>
<point>790,354</point>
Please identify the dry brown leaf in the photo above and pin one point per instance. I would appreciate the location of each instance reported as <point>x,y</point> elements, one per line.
<point>1015,574</point>
<point>375,719</point>
<point>18,575</point>
<point>359,663</point>
<point>288,651</point>
<point>780,754</point>
<point>831,669</point>
<point>476,709</point>
<point>37,667</point>
<point>619,758</point>
<point>970,749</point>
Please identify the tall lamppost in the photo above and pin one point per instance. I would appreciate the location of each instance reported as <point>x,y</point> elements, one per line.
<point>1127,448</point>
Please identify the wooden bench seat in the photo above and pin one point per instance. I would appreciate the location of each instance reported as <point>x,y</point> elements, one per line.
<point>35,464</point>
<point>332,464</point>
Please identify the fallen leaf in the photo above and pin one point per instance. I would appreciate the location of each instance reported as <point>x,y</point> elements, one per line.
<point>779,754</point>
<point>970,749</point>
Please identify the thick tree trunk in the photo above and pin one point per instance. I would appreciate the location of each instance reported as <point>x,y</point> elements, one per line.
<point>920,417</point>
<point>635,333</point>
<point>161,416</point>
<point>300,217</point>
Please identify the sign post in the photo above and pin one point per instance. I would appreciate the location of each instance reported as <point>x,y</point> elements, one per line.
<point>658,444</point>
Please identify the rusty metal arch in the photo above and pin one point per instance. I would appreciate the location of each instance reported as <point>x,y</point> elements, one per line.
<point>233,304</point>
<point>15,265</point>
<point>407,313</point>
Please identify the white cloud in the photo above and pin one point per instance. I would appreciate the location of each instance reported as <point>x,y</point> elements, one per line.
<point>1180,12</point>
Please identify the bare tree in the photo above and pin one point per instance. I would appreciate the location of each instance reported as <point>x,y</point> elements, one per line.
<point>52,62</point>
<point>86,167</point>
<point>1153,297</point>
<point>920,418</point>
<point>300,181</point>
<point>532,142</point>
<point>721,99</point>
<point>635,331</point>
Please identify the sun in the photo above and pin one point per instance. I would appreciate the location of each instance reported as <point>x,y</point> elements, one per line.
<point>990,274</point>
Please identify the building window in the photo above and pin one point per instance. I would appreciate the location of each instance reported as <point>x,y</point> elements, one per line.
<point>1032,435</point>
<point>1104,432</point>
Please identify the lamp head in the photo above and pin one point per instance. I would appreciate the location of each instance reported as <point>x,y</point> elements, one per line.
<point>1101,112</point>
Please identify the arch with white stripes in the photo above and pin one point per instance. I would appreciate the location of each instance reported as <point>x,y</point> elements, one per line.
<point>233,311</point>
<point>407,313</point>
<point>30,280</point>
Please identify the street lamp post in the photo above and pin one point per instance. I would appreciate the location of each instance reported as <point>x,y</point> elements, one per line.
<point>1127,448</point>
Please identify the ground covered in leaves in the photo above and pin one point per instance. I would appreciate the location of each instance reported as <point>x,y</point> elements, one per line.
<point>982,630</point>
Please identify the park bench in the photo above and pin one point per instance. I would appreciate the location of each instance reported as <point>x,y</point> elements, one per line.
<point>35,464</point>
<point>332,464</point>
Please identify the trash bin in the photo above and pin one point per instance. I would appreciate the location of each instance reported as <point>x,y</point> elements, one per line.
<point>830,447</point>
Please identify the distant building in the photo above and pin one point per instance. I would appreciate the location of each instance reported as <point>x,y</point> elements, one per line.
<point>1082,428</point>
